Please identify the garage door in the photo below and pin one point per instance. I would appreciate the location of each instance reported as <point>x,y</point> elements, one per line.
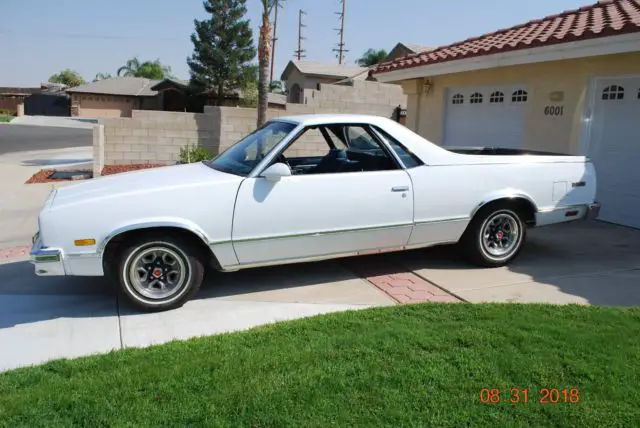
<point>485,116</point>
<point>614,147</point>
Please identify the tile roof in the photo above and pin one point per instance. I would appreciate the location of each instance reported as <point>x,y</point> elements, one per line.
<point>131,86</point>
<point>602,19</point>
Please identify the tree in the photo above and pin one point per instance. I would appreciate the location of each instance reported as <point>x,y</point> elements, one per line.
<point>223,48</point>
<point>277,87</point>
<point>148,69</point>
<point>67,77</point>
<point>372,57</point>
<point>102,76</point>
<point>264,59</point>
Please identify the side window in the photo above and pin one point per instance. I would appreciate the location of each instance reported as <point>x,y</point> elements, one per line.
<point>408,159</point>
<point>337,148</point>
<point>311,143</point>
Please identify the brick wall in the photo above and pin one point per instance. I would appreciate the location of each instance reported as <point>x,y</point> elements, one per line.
<point>157,136</point>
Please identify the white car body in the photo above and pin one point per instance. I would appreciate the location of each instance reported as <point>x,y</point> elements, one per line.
<point>252,221</point>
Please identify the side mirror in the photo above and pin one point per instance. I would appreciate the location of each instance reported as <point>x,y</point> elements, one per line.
<point>276,171</point>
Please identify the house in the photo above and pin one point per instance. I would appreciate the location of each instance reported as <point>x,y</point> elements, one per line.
<point>303,77</point>
<point>119,96</point>
<point>114,97</point>
<point>566,83</point>
<point>12,99</point>
<point>403,49</point>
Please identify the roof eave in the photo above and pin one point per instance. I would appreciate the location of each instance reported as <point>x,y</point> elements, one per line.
<point>562,51</point>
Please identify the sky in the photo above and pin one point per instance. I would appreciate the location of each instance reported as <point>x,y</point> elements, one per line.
<point>41,37</point>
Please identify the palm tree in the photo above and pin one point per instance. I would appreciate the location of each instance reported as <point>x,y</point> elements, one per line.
<point>149,69</point>
<point>372,57</point>
<point>264,58</point>
<point>130,68</point>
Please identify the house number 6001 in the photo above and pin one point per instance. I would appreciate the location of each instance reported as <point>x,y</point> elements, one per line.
<point>554,110</point>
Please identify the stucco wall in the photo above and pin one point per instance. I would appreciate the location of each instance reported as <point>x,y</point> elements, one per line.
<point>425,113</point>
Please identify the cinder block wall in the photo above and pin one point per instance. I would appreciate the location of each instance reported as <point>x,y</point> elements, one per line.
<point>157,136</point>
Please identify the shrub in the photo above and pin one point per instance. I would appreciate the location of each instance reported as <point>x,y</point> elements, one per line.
<point>191,154</point>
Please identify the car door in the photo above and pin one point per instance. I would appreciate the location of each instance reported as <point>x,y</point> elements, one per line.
<point>320,212</point>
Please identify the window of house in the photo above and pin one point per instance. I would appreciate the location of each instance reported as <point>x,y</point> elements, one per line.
<point>457,99</point>
<point>408,159</point>
<point>519,96</point>
<point>613,92</point>
<point>496,97</point>
<point>476,98</point>
<point>639,94</point>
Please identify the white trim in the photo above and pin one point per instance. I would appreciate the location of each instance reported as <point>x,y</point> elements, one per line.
<point>587,118</point>
<point>572,50</point>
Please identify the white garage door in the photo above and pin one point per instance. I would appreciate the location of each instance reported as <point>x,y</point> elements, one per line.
<point>488,116</point>
<point>614,147</point>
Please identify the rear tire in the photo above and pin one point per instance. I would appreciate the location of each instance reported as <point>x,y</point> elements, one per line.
<point>159,272</point>
<point>494,236</point>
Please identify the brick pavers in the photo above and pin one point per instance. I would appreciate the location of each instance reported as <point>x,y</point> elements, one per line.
<point>393,279</point>
<point>14,253</point>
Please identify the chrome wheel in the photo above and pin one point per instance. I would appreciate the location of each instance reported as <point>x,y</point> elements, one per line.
<point>500,235</point>
<point>157,272</point>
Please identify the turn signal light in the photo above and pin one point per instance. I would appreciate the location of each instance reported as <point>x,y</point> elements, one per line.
<point>84,242</point>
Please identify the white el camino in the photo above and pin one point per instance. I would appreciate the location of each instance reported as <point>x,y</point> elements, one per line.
<point>305,188</point>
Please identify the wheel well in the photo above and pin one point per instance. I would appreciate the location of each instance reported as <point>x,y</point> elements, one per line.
<point>523,206</point>
<point>116,242</point>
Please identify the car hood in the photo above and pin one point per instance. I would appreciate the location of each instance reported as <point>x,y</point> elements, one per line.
<point>164,178</point>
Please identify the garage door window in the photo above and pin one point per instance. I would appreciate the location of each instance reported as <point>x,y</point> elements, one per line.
<point>519,96</point>
<point>457,99</point>
<point>476,98</point>
<point>613,92</point>
<point>496,97</point>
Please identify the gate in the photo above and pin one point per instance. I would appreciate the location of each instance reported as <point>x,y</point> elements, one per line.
<point>47,105</point>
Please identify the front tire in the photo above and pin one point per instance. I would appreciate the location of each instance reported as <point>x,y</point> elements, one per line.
<point>495,236</point>
<point>159,272</point>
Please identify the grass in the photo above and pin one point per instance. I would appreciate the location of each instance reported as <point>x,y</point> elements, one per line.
<point>5,118</point>
<point>415,365</point>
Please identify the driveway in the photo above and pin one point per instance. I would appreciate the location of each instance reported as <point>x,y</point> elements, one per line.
<point>22,138</point>
<point>43,318</point>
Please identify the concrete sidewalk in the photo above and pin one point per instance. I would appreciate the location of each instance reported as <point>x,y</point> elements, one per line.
<point>49,318</point>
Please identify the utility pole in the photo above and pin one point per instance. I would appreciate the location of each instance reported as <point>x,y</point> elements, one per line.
<point>299,53</point>
<point>274,38</point>
<point>340,49</point>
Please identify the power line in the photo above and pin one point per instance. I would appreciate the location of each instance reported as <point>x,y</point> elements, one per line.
<point>48,35</point>
<point>299,52</point>
<point>341,46</point>
<point>275,39</point>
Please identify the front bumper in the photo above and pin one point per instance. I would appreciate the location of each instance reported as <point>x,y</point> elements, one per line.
<point>47,261</point>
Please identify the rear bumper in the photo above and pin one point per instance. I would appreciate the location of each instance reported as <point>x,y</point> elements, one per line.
<point>567,213</point>
<point>47,261</point>
<point>593,211</point>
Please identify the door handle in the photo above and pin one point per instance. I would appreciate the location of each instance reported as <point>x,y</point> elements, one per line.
<point>400,189</point>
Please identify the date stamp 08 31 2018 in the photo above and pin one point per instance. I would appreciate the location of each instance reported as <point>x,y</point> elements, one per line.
<point>527,395</point>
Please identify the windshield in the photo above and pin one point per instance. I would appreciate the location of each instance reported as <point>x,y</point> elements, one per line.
<point>241,158</point>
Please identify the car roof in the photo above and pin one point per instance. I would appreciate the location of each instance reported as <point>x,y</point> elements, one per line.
<point>320,119</point>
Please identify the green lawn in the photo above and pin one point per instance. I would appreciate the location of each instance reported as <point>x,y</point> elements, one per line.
<point>416,365</point>
<point>5,119</point>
